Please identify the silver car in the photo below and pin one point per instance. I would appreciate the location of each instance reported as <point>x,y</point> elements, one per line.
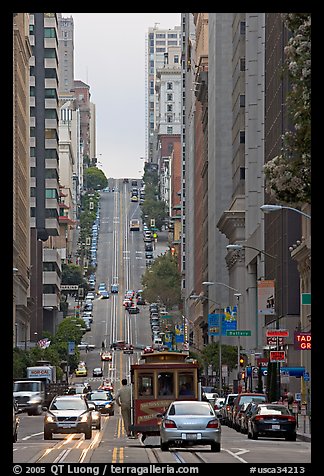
<point>188,423</point>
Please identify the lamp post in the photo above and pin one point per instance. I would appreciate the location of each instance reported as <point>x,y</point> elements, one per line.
<point>239,247</point>
<point>273,208</point>
<point>237,295</point>
<point>201,296</point>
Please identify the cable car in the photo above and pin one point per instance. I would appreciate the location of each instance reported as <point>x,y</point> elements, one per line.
<point>158,379</point>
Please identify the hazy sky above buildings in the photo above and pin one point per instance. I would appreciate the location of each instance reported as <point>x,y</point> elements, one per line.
<point>109,55</point>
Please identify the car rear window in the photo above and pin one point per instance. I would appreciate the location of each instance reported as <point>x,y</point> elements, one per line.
<point>191,410</point>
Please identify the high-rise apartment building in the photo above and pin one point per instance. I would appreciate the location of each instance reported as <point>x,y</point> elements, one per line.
<point>158,42</point>
<point>44,173</point>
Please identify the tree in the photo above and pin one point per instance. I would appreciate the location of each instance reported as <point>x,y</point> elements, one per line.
<point>72,274</point>
<point>288,175</point>
<point>162,282</point>
<point>94,178</point>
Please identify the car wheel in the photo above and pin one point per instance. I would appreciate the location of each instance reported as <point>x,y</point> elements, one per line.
<point>215,447</point>
<point>164,446</point>
<point>99,426</point>
<point>88,434</point>
<point>254,435</point>
<point>47,434</point>
<point>112,413</point>
<point>15,436</point>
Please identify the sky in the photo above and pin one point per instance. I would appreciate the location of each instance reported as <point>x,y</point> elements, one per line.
<point>109,55</point>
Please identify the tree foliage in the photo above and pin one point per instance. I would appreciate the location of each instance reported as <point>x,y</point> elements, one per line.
<point>94,178</point>
<point>72,274</point>
<point>288,175</point>
<point>162,282</point>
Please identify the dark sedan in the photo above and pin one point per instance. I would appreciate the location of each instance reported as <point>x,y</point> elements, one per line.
<point>271,420</point>
<point>103,401</point>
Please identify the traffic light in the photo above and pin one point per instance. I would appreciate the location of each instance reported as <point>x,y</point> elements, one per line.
<point>243,375</point>
<point>172,250</point>
<point>241,360</point>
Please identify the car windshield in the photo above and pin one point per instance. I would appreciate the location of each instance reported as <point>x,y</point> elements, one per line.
<point>68,404</point>
<point>191,409</point>
<point>100,396</point>
<point>26,387</point>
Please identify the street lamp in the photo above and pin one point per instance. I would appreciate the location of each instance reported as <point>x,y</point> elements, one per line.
<point>201,296</point>
<point>241,247</point>
<point>237,294</point>
<point>274,208</point>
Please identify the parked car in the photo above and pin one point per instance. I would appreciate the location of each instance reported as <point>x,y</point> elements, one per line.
<point>103,400</point>
<point>245,417</point>
<point>97,372</point>
<point>242,398</point>
<point>90,295</point>
<point>68,414</point>
<point>188,423</point>
<point>218,404</point>
<point>15,421</point>
<point>226,409</point>
<point>272,420</point>
<point>209,393</point>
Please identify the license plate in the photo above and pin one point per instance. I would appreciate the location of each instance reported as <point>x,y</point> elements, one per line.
<point>276,427</point>
<point>190,436</point>
<point>67,426</point>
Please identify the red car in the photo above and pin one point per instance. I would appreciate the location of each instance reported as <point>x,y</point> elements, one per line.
<point>148,349</point>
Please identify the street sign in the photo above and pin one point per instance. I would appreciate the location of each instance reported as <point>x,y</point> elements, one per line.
<point>238,333</point>
<point>277,333</point>
<point>306,376</point>
<point>306,299</point>
<point>69,287</point>
<point>277,356</point>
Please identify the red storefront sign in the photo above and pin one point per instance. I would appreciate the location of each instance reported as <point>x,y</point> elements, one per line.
<point>277,333</point>
<point>277,356</point>
<point>303,340</point>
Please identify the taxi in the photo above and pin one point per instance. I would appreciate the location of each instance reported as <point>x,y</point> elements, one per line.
<point>81,371</point>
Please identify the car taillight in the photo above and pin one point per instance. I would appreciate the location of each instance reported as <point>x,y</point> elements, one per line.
<point>259,418</point>
<point>169,424</point>
<point>213,424</point>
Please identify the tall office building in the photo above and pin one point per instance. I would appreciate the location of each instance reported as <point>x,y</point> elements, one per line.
<point>66,53</point>
<point>44,173</point>
<point>21,252</point>
<point>158,42</point>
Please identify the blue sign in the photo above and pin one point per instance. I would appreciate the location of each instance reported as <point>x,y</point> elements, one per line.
<point>71,347</point>
<point>306,376</point>
<point>291,371</point>
<point>178,329</point>
<point>226,321</point>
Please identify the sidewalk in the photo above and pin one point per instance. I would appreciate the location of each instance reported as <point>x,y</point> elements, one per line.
<point>162,245</point>
<point>304,428</point>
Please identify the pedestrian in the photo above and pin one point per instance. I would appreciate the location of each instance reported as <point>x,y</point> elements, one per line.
<point>124,400</point>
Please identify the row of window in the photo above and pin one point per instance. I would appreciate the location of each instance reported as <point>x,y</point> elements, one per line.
<point>167,384</point>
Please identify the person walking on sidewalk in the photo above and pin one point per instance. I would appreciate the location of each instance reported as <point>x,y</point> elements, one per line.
<point>124,400</point>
